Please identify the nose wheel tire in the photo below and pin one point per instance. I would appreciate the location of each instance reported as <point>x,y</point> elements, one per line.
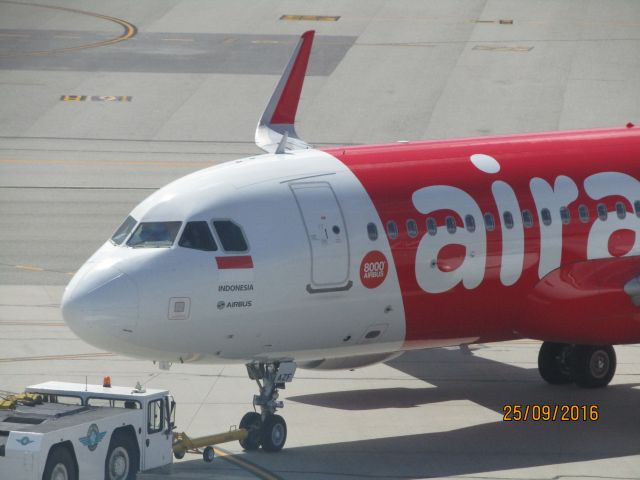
<point>554,363</point>
<point>274,433</point>
<point>593,366</point>
<point>252,423</point>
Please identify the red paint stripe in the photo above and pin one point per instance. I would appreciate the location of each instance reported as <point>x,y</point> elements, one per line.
<point>239,261</point>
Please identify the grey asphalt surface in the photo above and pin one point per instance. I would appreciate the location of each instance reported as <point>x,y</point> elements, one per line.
<point>199,75</point>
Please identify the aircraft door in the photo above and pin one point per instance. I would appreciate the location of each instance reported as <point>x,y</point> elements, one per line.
<point>327,235</point>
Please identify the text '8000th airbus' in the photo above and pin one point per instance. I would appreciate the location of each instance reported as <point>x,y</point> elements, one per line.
<point>344,257</point>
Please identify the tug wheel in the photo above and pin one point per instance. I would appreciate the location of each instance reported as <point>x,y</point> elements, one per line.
<point>59,465</point>
<point>208,454</point>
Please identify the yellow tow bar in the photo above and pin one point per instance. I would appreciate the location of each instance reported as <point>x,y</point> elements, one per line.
<point>183,443</point>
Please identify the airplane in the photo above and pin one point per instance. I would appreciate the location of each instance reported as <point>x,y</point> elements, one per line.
<point>342,257</point>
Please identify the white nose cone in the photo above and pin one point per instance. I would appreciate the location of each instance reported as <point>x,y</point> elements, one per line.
<point>100,303</point>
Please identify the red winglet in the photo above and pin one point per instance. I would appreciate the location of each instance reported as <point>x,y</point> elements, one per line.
<point>238,261</point>
<point>285,111</point>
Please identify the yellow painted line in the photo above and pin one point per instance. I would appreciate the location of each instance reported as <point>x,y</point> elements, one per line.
<point>129,31</point>
<point>33,268</point>
<point>107,163</point>
<point>312,18</point>
<point>266,42</point>
<point>258,471</point>
<point>30,267</point>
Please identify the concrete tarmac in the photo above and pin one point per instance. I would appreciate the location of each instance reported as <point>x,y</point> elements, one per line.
<point>102,103</point>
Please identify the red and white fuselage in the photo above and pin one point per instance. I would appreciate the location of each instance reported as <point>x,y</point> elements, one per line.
<point>346,256</point>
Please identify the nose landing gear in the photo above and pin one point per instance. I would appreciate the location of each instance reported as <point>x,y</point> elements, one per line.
<point>267,429</point>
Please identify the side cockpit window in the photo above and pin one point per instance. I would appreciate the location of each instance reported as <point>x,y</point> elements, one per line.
<point>230,236</point>
<point>124,230</point>
<point>154,235</point>
<point>197,235</point>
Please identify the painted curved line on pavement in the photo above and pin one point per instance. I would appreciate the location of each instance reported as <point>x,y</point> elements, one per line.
<point>129,32</point>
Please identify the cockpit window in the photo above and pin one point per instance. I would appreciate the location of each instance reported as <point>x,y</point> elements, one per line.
<point>154,235</point>
<point>124,230</point>
<point>230,236</point>
<point>197,235</point>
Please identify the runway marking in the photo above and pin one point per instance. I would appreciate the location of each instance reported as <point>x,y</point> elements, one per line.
<point>95,98</point>
<point>130,31</point>
<point>178,39</point>
<point>311,18</point>
<point>502,48</point>
<point>267,42</point>
<point>48,358</point>
<point>31,324</point>
<point>250,467</point>
<point>32,268</point>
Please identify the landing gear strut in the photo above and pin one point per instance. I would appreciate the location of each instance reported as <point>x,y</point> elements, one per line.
<point>588,366</point>
<point>267,429</point>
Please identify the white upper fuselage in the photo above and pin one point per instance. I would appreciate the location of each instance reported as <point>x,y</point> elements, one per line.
<point>302,298</point>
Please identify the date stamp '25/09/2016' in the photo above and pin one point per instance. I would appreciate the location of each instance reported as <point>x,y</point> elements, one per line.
<point>550,413</point>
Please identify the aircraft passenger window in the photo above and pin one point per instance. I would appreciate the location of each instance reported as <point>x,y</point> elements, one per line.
<point>583,211</point>
<point>412,228</point>
<point>636,207</point>
<point>124,230</point>
<point>527,219</point>
<point>451,224</point>
<point>565,215</point>
<point>197,235</point>
<point>392,229</point>
<point>621,210</point>
<point>231,236</point>
<point>154,235</point>
<point>470,223</point>
<point>602,211</point>
<point>489,222</point>
<point>432,226</point>
<point>546,216</point>
<point>372,231</point>
<point>508,219</point>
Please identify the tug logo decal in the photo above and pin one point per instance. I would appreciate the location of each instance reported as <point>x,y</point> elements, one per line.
<point>373,269</point>
<point>93,438</point>
<point>24,441</point>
